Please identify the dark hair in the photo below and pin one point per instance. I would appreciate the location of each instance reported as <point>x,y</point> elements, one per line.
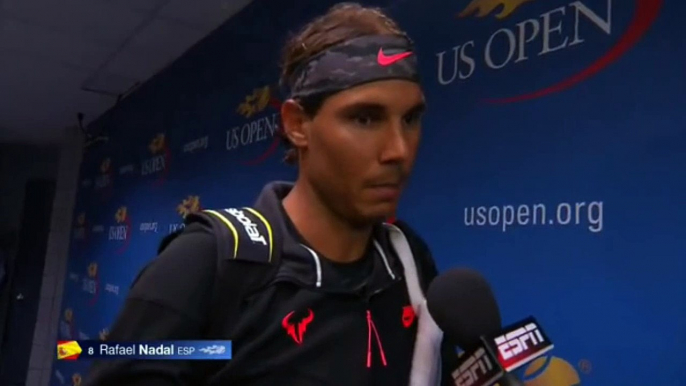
<point>341,22</point>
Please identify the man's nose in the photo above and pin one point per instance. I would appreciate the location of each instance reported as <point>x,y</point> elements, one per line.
<point>395,143</point>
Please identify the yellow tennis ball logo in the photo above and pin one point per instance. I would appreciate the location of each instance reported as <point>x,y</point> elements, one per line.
<point>188,206</point>
<point>157,143</point>
<point>551,371</point>
<point>255,102</point>
<point>121,215</point>
<point>93,270</point>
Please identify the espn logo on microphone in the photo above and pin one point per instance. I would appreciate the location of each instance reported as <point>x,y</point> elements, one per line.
<point>478,369</point>
<point>521,343</point>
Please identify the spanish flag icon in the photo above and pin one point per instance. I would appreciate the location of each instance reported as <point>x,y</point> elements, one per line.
<point>68,350</point>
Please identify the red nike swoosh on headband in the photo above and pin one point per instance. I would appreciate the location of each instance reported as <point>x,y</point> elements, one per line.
<point>387,60</point>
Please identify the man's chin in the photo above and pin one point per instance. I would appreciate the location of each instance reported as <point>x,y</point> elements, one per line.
<point>381,212</point>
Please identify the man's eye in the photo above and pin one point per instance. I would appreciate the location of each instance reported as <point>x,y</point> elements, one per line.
<point>363,119</point>
<point>412,119</point>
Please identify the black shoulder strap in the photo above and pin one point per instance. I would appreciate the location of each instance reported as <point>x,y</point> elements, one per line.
<point>247,258</point>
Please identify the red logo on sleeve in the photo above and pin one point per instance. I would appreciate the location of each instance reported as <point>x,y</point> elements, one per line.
<point>408,316</point>
<point>297,330</point>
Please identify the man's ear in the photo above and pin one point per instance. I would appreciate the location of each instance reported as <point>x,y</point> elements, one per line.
<point>295,123</point>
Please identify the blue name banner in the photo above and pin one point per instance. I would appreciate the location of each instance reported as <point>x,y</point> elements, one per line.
<point>160,350</point>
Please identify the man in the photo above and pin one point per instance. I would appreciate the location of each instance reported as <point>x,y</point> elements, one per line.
<point>335,308</point>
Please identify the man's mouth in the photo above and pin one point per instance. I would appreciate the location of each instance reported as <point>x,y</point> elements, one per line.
<point>386,191</point>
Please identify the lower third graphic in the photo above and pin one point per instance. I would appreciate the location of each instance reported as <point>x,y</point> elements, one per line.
<point>159,350</point>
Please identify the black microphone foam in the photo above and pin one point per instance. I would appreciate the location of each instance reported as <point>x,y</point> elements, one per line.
<point>462,304</point>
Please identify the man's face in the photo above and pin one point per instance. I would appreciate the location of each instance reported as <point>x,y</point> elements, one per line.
<point>361,148</point>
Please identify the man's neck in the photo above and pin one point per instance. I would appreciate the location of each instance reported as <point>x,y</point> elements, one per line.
<point>326,232</point>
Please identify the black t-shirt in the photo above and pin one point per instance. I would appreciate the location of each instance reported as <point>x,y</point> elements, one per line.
<point>353,276</point>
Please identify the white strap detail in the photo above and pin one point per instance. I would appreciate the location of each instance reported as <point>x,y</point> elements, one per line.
<point>317,264</point>
<point>426,361</point>
<point>384,258</point>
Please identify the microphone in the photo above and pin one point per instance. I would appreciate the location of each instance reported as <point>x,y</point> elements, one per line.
<point>462,304</point>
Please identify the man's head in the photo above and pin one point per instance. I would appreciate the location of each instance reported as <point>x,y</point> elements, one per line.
<point>353,119</point>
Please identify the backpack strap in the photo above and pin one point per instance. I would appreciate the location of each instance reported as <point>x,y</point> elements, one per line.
<point>426,360</point>
<point>247,258</point>
<point>407,257</point>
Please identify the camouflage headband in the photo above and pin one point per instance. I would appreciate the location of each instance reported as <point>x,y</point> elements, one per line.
<point>355,62</point>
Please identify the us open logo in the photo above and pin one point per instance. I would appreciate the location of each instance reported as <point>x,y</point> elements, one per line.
<point>188,205</point>
<point>511,40</point>
<point>158,162</point>
<point>91,283</point>
<point>120,232</point>
<point>258,137</point>
<point>104,181</point>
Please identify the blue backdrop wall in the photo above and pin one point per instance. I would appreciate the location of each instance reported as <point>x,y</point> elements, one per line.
<point>553,160</point>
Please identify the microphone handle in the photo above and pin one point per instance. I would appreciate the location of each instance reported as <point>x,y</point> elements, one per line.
<point>509,379</point>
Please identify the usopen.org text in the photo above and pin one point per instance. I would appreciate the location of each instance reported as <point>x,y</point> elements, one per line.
<point>588,214</point>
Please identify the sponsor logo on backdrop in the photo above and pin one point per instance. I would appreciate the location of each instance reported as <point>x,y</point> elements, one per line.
<point>550,370</point>
<point>508,217</point>
<point>91,283</point>
<point>197,145</point>
<point>76,379</point>
<point>67,330</point>
<point>112,288</point>
<point>514,39</point>
<point>261,128</point>
<point>83,336</point>
<point>104,181</point>
<point>104,334</point>
<point>127,169</point>
<point>121,232</point>
<point>148,227</point>
<point>158,163</point>
<point>188,205</point>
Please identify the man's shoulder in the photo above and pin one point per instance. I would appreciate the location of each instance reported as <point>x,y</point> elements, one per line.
<point>419,246</point>
<point>239,233</point>
<point>181,274</point>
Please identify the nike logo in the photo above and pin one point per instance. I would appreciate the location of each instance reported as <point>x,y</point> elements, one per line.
<point>387,60</point>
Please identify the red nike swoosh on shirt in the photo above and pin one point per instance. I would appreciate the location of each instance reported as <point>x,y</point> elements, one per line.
<point>387,60</point>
